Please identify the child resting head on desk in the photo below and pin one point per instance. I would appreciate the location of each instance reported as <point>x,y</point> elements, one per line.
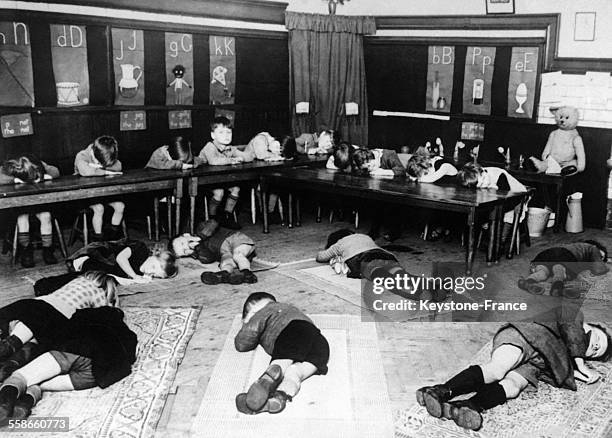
<point>423,168</point>
<point>100,159</point>
<point>314,144</point>
<point>376,162</point>
<point>29,170</point>
<point>175,156</point>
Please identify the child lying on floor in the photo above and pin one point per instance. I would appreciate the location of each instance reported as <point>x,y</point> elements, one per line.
<point>363,258</point>
<point>523,354</point>
<point>296,345</point>
<point>562,263</point>
<point>44,318</point>
<point>130,261</point>
<point>232,249</point>
<point>97,349</point>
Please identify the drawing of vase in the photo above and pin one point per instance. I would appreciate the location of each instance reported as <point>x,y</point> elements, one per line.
<point>435,92</point>
<point>521,97</point>
<point>128,85</point>
<point>478,92</point>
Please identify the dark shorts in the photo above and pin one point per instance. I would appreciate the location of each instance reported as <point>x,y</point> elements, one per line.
<point>301,341</point>
<point>46,323</point>
<point>532,364</point>
<point>78,368</point>
<point>556,256</point>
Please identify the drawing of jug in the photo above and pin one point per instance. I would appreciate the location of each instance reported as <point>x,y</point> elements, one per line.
<point>128,85</point>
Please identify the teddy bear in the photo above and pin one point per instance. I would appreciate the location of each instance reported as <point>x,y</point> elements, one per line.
<point>564,151</point>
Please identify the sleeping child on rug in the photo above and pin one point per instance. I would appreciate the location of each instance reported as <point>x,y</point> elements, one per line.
<point>562,263</point>
<point>232,249</point>
<point>297,348</point>
<point>553,351</point>
<point>44,318</point>
<point>359,256</point>
<point>96,348</point>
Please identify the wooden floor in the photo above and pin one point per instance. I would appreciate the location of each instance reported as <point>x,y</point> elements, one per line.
<point>414,354</point>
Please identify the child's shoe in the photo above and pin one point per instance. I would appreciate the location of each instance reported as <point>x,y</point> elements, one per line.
<point>466,414</point>
<point>8,397</point>
<point>434,398</point>
<point>275,404</point>
<point>235,278</point>
<point>556,289</point>
<point>25,403</point>
<point>48,256</point>
<point>9,346</point>
<point>248,276</point>
<point>531,286</point>
<point>260,391</point>
<point>26,256</point>
<point>227,221</point>
<point>213,278</point>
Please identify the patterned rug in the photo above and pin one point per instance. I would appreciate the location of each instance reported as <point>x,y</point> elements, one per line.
<point>350,401</point>
<point>548,412</point>
<point>132,407</point>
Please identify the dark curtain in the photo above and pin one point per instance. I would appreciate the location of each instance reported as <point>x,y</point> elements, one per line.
<point>327,69</point>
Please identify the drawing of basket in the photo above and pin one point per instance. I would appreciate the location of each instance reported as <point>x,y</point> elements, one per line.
<point>67,93</point>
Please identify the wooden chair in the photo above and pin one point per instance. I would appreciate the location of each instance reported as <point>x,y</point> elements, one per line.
<point>83,232</point>
<point>170,205</point>
<point>60,239</point>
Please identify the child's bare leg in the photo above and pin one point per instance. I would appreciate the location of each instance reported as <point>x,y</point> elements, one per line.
<point>23,223</point>
<point>96,220</point>
<point>22,332</point>
<point>272,200</point>
<point>240,256</point>
<point>213,205</point>
<point>293,377</point>
<point>513,384</point>
<point>503,360</point>
<point>43,368</point>
<point>282,363</point>
<point>58,383</point>
<point>118,209</point>
<point>559,273</point>
<point>539,273</point>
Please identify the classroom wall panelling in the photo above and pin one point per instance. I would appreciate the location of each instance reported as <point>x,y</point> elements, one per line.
<point>262,92</point>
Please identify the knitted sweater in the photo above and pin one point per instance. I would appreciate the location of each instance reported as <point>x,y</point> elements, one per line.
<point>84,164</point>
<point>160,159</point>
<point>266,325</point>
<point>215,157</point>
<point>348,247</point>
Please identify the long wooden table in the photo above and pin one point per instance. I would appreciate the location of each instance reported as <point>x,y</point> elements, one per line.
<point>73,188</point>
<point>240,173</point>
<point>401,191</point>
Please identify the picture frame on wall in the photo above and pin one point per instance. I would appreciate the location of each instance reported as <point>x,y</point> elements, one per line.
<point>500,6</point>
<point>584,26</point>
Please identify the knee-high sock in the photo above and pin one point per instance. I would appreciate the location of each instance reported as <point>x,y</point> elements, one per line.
<point>213,206</point>
<point>230,204</point>
<point>490,395</point>
<point>23,239</point>
<point>469,380</point>
<point>47,240</point>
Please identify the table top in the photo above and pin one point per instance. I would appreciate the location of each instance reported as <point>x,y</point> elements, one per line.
<point>395,187</point>
<point>76,182</point>
<point>526,175</point>
<point>258,165</point>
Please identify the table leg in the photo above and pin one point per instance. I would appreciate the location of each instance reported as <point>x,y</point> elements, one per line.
<point>290,211</point>
<point>156,216</point>
<point>318,213</point>
<point>193,193</point>
<point>298,213</point>
<point>470,251</point>
<point>253,206</point>
<point>179,196</point>
<point>499,218</point>
<point>492,234</point>
<point>264,203</point>
<point>557,225</point>
<point>60,238</point>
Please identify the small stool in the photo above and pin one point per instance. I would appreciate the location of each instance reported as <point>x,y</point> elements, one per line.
<point>60,238</point>
<point>84,232</point>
